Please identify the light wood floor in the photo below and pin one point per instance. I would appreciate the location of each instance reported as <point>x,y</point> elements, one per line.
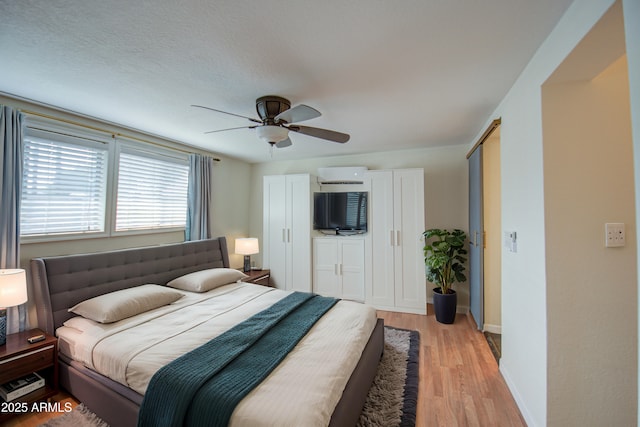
<point>460,384</point>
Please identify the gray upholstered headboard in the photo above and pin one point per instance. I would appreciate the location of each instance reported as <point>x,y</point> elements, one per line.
<point>62,282</point>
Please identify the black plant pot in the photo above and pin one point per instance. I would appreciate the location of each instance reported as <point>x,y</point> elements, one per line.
<point>445,305</point>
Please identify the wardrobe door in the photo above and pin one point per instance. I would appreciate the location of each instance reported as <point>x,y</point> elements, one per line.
<point>380,284</point>
<point>298,232</point>
<point>274,229</point>
<point>351,253</point>
<point>408,217</point>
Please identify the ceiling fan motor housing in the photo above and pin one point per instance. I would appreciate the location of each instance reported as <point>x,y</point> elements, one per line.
<point>270,106</point>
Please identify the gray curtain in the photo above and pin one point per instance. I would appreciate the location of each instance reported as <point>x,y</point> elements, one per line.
<point>199,198</point>
<point>11,122</point>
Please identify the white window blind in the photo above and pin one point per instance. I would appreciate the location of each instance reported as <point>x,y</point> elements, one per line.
<point>152,191</point>
<point>64,184</point>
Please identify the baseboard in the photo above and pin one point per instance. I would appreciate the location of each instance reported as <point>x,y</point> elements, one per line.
<point>494,329</point>
<point>516,395</point>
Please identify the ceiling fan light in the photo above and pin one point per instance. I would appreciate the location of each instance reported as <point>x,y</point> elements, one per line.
<point>272,134</point>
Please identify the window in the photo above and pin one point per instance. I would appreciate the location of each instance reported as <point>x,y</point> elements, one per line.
<point>64,184</point>
<point>81,182</point>
<point>152,191</point>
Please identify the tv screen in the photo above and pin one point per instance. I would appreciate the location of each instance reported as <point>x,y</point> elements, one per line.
<point>340,211</point>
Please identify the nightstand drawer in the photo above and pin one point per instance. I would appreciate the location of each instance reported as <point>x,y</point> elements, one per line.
<point>26,363</point>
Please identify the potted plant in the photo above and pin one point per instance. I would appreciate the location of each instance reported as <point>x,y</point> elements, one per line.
<point>444,259</point>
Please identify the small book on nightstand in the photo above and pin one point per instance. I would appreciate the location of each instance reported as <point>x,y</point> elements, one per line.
<point>19,387</point>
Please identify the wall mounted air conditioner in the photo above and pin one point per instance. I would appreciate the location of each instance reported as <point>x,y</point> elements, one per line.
<point>341,175</point>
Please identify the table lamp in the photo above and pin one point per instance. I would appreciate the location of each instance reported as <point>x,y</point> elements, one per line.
<point>13,291</point>
<point>247,246</point>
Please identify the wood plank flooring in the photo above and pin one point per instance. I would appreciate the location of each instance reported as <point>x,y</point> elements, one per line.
<point>460,384</point>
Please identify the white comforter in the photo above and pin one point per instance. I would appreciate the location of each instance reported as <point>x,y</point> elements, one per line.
<point>303,390</point>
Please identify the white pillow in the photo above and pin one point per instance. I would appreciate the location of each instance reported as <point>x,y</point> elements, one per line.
<point>205,280</point>
<point>80,323</point>
<point>118,305</point>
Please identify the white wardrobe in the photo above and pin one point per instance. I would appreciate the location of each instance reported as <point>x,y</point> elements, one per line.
<point>287,230</point>
<point>383,268</point>
<point>395,260</point>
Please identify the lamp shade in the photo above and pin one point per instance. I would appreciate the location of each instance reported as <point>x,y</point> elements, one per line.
<point>13,287</point>
<point>247,246</point>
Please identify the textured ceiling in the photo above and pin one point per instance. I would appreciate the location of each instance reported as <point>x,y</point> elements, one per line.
<point>393,74</point>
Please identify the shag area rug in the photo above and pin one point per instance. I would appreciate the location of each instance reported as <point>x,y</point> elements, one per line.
<point>393,397</point>
<point>391,402</point>
<point>79,417</point>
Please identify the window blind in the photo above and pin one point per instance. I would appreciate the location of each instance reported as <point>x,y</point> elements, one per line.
<point>152,191</point>
<point>64,185</point>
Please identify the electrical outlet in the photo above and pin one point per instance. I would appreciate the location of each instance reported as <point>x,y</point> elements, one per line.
<point>614,234</point>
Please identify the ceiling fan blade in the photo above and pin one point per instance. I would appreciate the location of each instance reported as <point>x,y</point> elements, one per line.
<point>329,135</point>
<point>226,112</point>
<point>241,127</point>
<point>299,113</point>
<point>284,143</point>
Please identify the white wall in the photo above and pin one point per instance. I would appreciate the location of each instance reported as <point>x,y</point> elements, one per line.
<point>524,362</point>
<point>591,289</point>
<point>446,185</point>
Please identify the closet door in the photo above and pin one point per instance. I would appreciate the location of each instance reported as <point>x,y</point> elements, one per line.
<point>476,236</point>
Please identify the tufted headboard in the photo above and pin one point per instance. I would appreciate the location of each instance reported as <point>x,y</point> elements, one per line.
<point>62,282</point>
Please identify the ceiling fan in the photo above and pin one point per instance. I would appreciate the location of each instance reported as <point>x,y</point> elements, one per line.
<point>277,118</point>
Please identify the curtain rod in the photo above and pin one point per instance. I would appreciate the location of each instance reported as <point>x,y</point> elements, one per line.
<point>71,122</point>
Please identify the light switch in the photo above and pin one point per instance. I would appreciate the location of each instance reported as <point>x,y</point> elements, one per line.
<point>614,234</point>
<point>510,241</point>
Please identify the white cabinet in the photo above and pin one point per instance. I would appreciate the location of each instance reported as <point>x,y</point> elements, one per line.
<point>396,277</point>
<point>338,267</point>
<point>287,230</point>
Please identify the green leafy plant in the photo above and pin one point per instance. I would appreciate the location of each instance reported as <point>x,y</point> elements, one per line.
<point>444,257</point>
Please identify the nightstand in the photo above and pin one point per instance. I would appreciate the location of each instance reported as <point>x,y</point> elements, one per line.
<point>19,358</point>
<point>259,277</point>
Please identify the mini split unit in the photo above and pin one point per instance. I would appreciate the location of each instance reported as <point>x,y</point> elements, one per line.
<point>341,175</point>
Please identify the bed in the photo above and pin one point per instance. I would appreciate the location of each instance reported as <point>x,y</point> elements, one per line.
<point>63,282</point>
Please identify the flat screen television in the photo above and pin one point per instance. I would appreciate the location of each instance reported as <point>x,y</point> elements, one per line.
<point>344,212</point>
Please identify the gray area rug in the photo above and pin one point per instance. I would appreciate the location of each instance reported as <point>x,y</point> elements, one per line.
<point>391,402</point>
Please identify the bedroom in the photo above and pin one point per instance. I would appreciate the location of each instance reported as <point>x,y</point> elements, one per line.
<point>531,356</point>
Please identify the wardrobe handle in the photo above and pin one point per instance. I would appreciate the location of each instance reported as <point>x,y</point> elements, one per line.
<point>335,269</point>
<point>397,237</point>
<point>393,243</point>
<point>288,235</point>
<point>284,240</point>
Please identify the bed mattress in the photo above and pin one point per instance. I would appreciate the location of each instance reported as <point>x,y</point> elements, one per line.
<point>313,375</point>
